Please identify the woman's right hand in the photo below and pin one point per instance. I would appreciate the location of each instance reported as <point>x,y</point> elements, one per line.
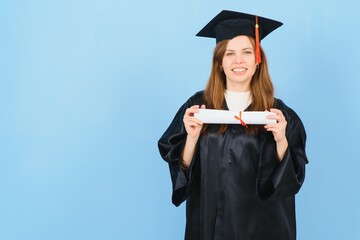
<point>193,125</point>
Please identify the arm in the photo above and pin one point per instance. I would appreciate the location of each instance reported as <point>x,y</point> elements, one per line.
<point>278,129</point>
<point>193,128</point>
<point>171,147</point>
<point>188,152</point>
<point>282,164</point>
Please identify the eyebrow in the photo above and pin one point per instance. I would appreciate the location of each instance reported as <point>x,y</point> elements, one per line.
<point>247,48</point>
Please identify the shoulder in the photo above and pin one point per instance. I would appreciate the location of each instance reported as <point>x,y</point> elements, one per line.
<point>288,112</point>
<point>198,95</point>
<point>291,116</point>
<point>196,99</point>
<point>293,120</point>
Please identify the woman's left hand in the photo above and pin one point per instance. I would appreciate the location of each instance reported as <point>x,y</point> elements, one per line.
<point>278,129</point>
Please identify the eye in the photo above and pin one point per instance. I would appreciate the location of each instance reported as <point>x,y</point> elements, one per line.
<point>248,52</point>
<point>229,54</point>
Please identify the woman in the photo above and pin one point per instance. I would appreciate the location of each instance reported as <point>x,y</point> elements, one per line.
<point>239,182</point>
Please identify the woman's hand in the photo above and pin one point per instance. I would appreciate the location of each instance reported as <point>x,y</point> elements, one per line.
<point>278,129</point>
<point>193,128</point>
<point>193,125</point>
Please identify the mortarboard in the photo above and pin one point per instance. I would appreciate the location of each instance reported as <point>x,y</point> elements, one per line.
<point>229,24</point>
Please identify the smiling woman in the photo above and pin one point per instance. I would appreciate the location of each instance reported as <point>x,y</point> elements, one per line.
<point>239,64</point>
<point>239,182</point>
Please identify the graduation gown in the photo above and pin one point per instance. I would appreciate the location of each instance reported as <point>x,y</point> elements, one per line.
<point>235,187</point>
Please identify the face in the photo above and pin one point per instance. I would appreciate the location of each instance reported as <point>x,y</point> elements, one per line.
<point>239,63</point>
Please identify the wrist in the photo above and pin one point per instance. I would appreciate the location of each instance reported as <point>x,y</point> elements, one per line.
<point>282,141</point>
<point>183,164</point>
<point>281,147</point>
<point>192,139</point>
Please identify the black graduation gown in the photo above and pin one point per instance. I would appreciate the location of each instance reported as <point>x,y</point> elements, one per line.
<point>235,187</point>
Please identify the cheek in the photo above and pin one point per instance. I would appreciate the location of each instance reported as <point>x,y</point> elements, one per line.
<point>250,60</point>
<point>226,66</point>
<point>226,62</point>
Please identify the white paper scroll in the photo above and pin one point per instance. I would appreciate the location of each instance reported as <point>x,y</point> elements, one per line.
<point>228,117</point>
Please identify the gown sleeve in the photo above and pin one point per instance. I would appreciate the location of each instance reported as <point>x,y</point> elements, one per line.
<point>278,180</point>
<point>171,145</point>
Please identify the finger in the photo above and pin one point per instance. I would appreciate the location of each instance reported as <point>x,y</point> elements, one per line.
<point>273,129</point>
<point>194,119</point>
<point>275,132</point>
<point>273,116</point>
<point>194,124</point>
<point>269,129</point>
<point>194,108</point>
<point>275,110</point>
<point>280,125</point>
<point>278,118</point>
<point>272,125</point>
<point>203,106</point>
<point>191,111</point>
<point>279,113</point>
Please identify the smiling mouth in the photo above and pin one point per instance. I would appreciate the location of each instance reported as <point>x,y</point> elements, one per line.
<point>239,70</point>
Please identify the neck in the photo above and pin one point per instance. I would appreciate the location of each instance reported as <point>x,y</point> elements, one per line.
<point>238,87</point>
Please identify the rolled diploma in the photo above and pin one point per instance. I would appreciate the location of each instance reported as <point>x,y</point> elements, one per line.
<point>228,117</point>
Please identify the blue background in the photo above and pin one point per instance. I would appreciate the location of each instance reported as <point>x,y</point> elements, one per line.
<point>88,87</point>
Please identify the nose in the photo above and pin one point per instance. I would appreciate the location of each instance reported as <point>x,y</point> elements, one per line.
<point>238,58</point>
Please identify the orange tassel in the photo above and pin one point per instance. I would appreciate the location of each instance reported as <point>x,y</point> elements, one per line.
<point>240,119</point>
<point>257,42</point>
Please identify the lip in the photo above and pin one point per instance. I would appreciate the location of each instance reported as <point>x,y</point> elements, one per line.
<point>239,70</point>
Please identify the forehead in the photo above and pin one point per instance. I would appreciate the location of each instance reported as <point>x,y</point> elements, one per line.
<point>239,42</point>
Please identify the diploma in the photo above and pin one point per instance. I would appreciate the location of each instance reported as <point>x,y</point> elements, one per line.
<point>229,117</point>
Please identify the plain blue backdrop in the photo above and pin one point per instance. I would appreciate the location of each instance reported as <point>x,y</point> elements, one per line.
<point>88,87</point>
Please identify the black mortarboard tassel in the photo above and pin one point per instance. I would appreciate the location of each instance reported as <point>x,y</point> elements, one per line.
<point>229,24</point>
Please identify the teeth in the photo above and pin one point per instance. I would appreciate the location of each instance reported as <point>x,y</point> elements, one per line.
<point>239,69</point>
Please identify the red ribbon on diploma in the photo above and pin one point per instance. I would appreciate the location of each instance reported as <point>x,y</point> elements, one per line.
<point>240,119</point>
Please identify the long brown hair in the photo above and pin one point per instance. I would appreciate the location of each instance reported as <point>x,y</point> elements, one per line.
<point>261,87</point>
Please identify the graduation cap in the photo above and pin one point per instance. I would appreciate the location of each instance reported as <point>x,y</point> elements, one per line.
<point>229,24</point>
